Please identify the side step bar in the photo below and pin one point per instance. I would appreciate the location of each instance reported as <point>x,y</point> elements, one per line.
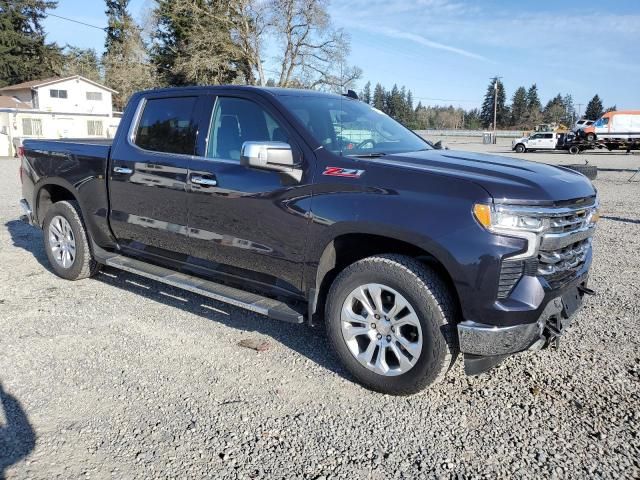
<point>222,293</point>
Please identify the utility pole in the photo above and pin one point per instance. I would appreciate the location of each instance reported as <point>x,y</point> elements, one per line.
<point>579,109</point>
<point>495,107</point>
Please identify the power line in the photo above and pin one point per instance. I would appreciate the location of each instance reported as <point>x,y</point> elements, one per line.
<point>76,21</point>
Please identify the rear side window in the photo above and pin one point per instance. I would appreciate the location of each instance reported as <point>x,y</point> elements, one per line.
<point>167,125</point>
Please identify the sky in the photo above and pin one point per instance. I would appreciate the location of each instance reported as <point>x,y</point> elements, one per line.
<point>446,51</point>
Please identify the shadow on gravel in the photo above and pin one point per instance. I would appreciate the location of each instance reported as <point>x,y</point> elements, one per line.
<point>28,238</point>
<point>308,341</point>
<point>620,219</point>
<point>17,438</point>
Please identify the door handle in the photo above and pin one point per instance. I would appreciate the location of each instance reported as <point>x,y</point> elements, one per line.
<point>122,170</point>
<point>209,182</point>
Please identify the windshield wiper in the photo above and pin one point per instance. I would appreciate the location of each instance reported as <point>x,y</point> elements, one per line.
<point>367,155</point>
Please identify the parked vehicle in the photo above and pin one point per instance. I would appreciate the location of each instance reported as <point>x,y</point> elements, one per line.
<point>265,199</point>
<point>622,125</point>
<point>536,141</point>
<point>582,123</point>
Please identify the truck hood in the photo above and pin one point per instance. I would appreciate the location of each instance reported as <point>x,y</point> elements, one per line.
<point>505,179</point>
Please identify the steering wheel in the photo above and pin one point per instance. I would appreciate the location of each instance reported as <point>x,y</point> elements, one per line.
<point>365,142</point>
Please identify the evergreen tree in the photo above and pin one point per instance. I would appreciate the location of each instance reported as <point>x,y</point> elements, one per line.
<point>395,103</point>
<point>80,61</point>
<point>519,107</point>
<point>365,95</point>
<point>534,106</point>
<point>611,109</point>
<point>554,111</point>
<point>411,113</point>
<point>569,110</point>
<point>118,19</point>
<point>379,97</point>
<point>24,54</point>
<point>594,108</point>
<point>494,88</point>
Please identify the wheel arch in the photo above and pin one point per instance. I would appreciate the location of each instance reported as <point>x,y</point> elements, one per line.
<point>49,193</point>
<point>348,248</point>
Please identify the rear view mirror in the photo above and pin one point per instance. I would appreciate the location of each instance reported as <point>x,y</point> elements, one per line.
<point>269,156</point>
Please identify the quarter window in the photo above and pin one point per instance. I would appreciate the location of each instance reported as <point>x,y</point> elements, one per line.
<point>167,125</point>
<point>58,93</point>
<point>237,120</point>
<point>94,96</point>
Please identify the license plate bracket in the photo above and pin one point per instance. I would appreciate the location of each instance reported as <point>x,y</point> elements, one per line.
<point>571,302</point>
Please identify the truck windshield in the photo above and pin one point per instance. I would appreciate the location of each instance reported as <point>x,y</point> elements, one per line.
<point>349,127</point>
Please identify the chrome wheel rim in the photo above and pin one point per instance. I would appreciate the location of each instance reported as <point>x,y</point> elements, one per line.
<point>62,242</point>
<point>381,329</point>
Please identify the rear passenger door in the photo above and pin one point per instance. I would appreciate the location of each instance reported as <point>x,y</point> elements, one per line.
<point>247,226</point>
<point>148,178</point>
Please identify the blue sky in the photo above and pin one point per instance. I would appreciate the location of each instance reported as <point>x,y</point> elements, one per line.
<point>445,51</point>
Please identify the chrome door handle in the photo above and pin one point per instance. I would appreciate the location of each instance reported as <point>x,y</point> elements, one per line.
<point>209,182</point>
<point>122,170</point>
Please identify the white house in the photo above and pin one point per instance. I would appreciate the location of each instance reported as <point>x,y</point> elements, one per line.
<point>69,107</point>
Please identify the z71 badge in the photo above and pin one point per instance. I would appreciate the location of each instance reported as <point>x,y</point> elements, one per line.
<point>343,172</point>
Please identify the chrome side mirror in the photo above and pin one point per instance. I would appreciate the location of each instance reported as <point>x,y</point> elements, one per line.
<point>267,156</point>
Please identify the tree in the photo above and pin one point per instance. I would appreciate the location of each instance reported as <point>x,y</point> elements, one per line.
<point>534,115</point>
<point>24,53</point>
<point>126,67</point>
<point>555,110</point>
<point>519,107</point>
<point>365,95</point>
<point>494,88</point>
<point>611,109</point>
<point>379,96</point>
<point>594,108</point>
<point>193,42</point>
<point>312,53</point>
<point>79,61</point>
<point>118,19</point>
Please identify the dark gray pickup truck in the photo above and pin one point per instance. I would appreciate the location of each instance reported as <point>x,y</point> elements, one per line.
<point>297,204</point>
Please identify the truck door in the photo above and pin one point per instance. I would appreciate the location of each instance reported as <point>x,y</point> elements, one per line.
<point>148,178</point>
<point>247,226</point>
<point>549,141</point>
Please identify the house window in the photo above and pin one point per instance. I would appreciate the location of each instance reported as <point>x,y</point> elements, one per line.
<point>94,96</point>
<point>32,127</point>
<point>94,128</point>
<point>58,93</point>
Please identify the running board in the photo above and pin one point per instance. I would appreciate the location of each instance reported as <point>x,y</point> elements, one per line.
<point>222,293</point>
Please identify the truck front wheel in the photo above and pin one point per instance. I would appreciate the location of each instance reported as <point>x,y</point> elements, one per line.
<point>66,243</point>
<point>520,148</point>
<point>392,322</point>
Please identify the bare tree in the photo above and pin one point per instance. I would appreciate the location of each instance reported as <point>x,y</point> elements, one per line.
<point>313,52</point>
<point>252,20</point>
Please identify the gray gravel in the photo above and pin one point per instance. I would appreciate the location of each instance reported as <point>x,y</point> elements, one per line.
<point>121,377</point>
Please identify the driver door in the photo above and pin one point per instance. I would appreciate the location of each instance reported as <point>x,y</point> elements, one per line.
<point>247,225</point>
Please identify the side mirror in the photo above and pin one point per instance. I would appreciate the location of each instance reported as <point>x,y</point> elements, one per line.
<point>275,156</point>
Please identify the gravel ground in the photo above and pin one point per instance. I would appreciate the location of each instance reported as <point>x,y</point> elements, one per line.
<point>121,377</point>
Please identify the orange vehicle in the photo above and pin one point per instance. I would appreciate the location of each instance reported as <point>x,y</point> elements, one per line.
<point>622,125</point>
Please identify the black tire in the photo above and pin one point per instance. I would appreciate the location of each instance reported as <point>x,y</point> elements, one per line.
<point>591,137</point>
<point>589,171</point>
<point>574,150</point>
<point>83,265</point>
<point>433,304</point>
<point>520,148</point>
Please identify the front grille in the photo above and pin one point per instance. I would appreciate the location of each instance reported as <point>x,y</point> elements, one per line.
<point>559,266</point>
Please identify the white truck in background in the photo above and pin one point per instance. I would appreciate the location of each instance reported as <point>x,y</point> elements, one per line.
<point>536,141</point>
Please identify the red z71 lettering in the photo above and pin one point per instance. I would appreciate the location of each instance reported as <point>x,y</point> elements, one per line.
<point>343,172</point>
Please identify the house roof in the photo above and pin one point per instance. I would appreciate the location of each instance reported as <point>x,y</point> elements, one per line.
<point>10,102</point>
<point>49,81</point>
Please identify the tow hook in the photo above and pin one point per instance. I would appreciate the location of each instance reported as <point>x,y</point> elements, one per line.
<point>585,291</point>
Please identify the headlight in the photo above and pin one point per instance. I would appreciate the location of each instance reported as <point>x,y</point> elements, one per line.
<point>502,219</point>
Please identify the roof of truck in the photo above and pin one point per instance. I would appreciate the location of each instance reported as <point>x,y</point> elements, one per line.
<point>275,91</point>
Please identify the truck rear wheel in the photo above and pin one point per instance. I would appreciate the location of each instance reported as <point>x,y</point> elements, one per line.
<point>391,321</point>
<point>66,242</point>
<point>591,137</point>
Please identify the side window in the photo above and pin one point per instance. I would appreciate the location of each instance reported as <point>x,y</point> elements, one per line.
<point>167,125</point>
<point>238,120</point>
<point>548,135</point>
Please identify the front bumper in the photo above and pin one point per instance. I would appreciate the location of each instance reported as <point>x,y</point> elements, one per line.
<point>484,346</point>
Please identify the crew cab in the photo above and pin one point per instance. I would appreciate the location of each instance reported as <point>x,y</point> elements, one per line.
<point>536,141</point>
<point>307,206</point>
